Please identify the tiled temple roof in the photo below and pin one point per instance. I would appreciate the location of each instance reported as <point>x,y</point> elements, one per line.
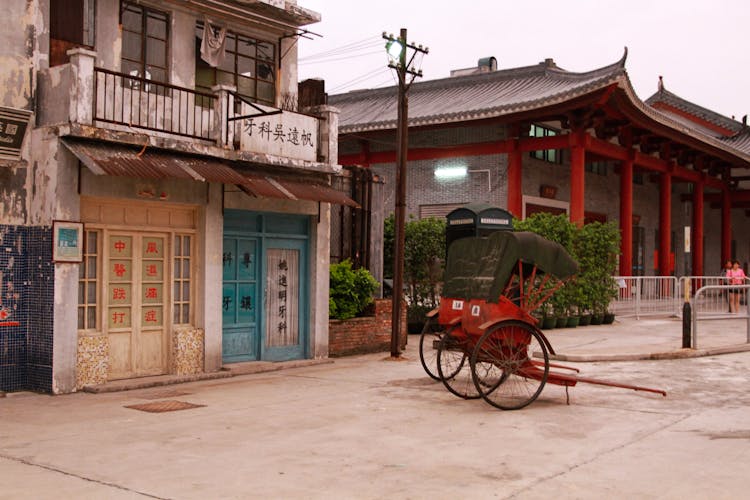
<point>472,97</point>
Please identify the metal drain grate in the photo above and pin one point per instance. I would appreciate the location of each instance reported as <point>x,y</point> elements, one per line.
<point>165,394</point>
<point>164,406</point>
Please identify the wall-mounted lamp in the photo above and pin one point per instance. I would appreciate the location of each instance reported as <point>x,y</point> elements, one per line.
<point>450,172</point>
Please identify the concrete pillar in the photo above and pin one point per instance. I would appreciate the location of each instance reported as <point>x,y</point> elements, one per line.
<point>82,86</point>
<point>328,149</point>
<point>222,131</point>
<point>209,317</point>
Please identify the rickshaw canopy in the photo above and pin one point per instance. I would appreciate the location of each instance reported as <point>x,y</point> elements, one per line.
<point>479,268</point>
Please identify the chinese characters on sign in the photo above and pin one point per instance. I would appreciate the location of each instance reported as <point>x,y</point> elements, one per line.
<point>13,125</point>
<point>282,302</point>
<point>283,268</point>
<point>287,134</point>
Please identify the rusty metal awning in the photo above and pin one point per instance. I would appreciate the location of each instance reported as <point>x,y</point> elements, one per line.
<point>278,187</point>
<point>148,163</point>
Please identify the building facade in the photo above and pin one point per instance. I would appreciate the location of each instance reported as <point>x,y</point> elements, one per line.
<point>671,174</point>
<point>168,208</point>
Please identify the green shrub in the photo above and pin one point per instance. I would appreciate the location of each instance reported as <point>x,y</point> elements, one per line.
<point>350,290</point>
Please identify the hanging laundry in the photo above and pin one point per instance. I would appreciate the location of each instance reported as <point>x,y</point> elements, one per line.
<point>213,43</point>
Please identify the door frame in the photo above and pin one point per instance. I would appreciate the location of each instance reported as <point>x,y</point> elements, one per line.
<point>268,228</point>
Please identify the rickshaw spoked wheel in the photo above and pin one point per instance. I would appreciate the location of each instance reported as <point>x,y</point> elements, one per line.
<point>428,346</point>
<point>515,381</point>
<point>453,365</point>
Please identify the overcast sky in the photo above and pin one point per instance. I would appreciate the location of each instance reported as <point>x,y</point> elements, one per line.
<point>700,47</point>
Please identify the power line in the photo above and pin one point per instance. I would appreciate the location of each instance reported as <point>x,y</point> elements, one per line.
<point>341,57</point>
<point>367,43</point>
<point>366,76</point>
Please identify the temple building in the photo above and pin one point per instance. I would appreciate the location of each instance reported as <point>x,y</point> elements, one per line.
<point>671,174</point>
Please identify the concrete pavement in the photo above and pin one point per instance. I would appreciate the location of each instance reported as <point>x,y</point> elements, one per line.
<point>367,427</point>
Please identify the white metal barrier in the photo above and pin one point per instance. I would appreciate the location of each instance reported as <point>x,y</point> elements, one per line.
<point>646,296</point>
<point>703,307</point>
<point>712,300</point>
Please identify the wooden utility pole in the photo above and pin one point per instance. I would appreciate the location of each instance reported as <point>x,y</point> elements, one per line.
<point>403,69</point>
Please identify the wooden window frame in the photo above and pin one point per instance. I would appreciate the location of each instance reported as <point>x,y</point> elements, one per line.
<point>143,64</point>
<point>235,55</point>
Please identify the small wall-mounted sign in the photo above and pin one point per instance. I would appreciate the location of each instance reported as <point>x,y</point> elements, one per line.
<point>13,125</point>
<point>547,191</point>
<point>67,241</point>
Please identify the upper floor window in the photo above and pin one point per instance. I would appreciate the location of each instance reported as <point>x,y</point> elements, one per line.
<point>145,42</point>
<point>71,25</point>
<point>597,167</point>
<point>550,155</point>
<point>248,64</point>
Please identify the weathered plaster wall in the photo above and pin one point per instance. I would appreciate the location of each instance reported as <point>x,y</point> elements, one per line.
<point>208,314</point>
<point>108,38</point>
<point>183,28</point>
<point>22,33</point>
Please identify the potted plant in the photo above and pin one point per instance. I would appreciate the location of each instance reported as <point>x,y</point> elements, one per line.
<point>596,247</point>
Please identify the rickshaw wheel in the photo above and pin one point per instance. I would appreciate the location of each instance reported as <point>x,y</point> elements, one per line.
<point>428,347</point>
<point>516,381</point>
<point>453,365</point>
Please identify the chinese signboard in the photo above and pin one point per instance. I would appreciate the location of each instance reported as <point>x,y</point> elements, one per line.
<point>13,124</point>
<point>286,134</point>
<point>283,298</point>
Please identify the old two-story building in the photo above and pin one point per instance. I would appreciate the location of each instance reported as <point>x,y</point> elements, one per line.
<point>672,174</point>
<point>164,202</point>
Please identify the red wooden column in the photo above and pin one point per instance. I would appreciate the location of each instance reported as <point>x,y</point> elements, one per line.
<point>697,234</point>
<point>626,218</point>
<point>515,182</point>
<point>577,175</point>
<point>665,223</point>
<point>726,226</point>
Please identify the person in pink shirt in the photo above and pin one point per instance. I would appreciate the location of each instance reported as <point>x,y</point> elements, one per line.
<point>735,276</point>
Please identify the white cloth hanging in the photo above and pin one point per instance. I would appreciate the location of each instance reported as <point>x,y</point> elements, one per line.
<point>213,43</point>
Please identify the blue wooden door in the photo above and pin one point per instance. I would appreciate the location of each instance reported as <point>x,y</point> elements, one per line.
<point>285,319</point>
<point>240,299</point>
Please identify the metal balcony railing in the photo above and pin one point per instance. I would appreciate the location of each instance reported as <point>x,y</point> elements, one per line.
<point>132,101</point>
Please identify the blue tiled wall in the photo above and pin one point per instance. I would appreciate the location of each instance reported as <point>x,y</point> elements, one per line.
<point>27,297</point>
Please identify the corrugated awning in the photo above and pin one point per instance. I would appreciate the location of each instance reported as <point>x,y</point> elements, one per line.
<point>126,161</point>
<point>279,187</point>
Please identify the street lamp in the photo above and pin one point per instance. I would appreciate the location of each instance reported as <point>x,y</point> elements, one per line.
<point>397,48</point>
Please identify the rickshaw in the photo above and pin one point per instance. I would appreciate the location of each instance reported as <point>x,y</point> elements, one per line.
<point>488,344</point>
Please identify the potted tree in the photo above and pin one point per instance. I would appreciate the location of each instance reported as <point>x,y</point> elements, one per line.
<point>596,247</point>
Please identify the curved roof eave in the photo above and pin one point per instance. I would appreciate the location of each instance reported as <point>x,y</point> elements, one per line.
<point>662,120</point>
<point>485,113</point>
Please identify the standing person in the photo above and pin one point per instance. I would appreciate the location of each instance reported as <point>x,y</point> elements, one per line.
<point>736,277</point>
<point>725,274</point>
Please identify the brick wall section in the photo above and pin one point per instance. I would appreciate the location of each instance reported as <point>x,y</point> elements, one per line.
<point>365,335</point>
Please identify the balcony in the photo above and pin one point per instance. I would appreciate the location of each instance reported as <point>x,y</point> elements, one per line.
<point>98,103</point>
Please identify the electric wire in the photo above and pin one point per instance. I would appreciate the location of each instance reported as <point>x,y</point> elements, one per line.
<point>354,81</point>
<point>366,44</point>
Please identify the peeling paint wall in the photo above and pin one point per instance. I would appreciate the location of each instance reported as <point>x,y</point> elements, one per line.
<point>22,32</point>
